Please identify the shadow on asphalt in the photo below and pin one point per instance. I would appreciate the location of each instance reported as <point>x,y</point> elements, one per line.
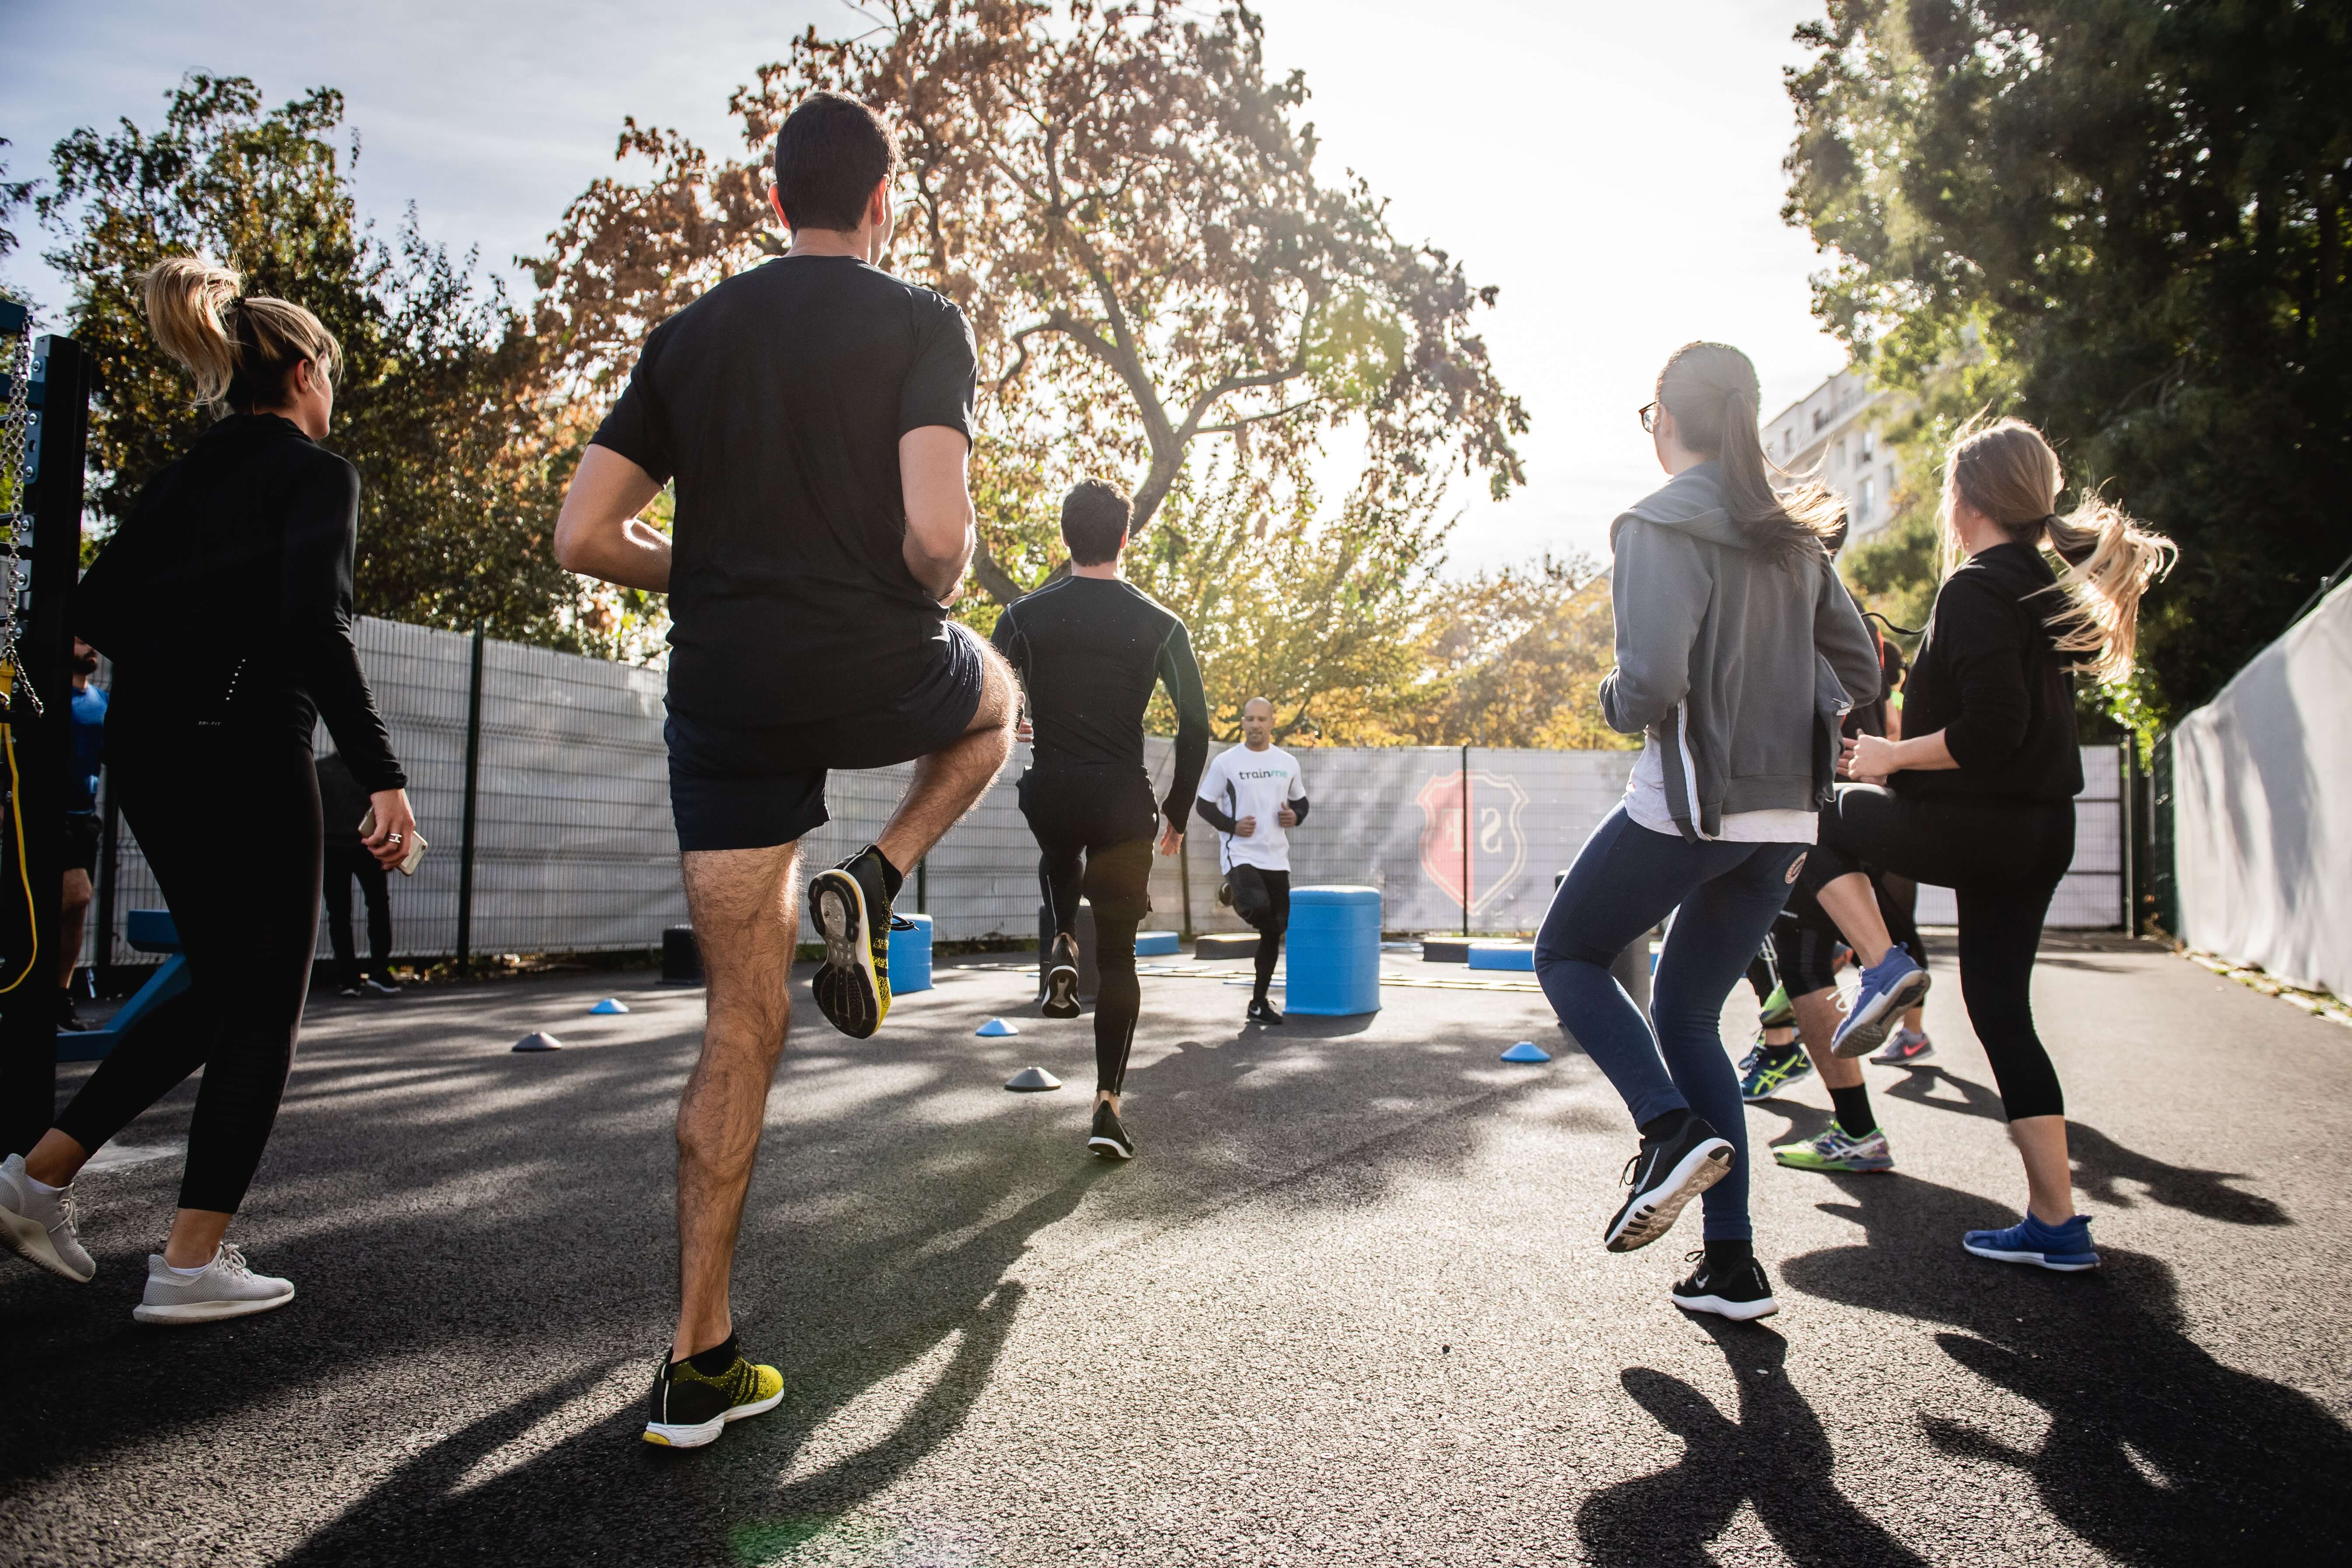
<point>2155,1452</point>
<point>1771,1453</point>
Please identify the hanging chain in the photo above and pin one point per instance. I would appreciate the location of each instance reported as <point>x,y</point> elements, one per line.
<point>15,454</point>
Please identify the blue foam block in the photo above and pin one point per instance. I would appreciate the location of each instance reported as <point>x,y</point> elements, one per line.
<point>608,1006</point>
<point>1527,1051</point>
<point>1503,955</point>
<point>995,1030</point>
<point>1158,943</point>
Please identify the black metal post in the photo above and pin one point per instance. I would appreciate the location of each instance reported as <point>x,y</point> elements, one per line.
<point>465,839</point>
<point>43,744</point>
<point>1465,823</point>
<point>923,886</point>
<point>110,839</point>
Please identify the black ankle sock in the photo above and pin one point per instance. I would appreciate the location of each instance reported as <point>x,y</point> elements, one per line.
<point>715,1360</point>
<point>1659,1128</point>
<point>1724,1258</point>
<point>1853,1110</point>
<point>1783,1052</point>
<point>892,877</point>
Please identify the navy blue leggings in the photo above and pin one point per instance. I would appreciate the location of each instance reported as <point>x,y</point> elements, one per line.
<point>1726,896</point>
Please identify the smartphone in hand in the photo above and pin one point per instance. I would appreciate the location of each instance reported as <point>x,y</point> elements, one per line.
<point>416,845</point>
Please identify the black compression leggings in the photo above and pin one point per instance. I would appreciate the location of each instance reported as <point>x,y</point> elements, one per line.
<point>2003,859</point>
<point>230,827</point>
<point>1271,929</point>
<point>1087,822</point>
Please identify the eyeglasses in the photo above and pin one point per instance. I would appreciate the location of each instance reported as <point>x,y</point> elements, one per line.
<point>1648,414</point>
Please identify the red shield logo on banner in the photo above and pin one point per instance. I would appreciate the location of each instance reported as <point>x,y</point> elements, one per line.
<point>1477,870</point>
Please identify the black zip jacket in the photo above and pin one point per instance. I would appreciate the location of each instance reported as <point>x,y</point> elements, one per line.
<point>224,600</point>
<point>1988,677</point>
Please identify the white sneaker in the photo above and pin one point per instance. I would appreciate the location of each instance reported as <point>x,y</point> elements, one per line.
<point>42,1227</point>
<point>226,1288</point>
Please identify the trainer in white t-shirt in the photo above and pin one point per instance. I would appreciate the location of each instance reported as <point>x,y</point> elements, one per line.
<point>1242,783</point>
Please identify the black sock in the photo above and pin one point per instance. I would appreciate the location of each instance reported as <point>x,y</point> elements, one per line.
<point>1853,1110</point>
<point>1787,1051</point>
<point>1725,1258</point>
<point>1660,1128</point>
<point>892,877</point>
<point>715,1360</point>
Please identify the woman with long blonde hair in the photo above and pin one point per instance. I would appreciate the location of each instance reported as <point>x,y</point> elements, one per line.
<point>1980,796</point>
<point>224,601</point>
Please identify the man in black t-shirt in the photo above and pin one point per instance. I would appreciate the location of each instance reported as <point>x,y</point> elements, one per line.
<point>814,416</point>
<point>1090,648</point>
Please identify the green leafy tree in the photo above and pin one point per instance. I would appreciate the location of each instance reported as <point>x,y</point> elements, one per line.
<point>2123,221</point>
<point>441,405</point>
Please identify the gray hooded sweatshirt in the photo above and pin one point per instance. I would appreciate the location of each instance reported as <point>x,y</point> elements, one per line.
<point>1738,666</point>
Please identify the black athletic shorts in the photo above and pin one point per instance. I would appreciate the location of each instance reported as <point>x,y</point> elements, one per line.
<point>81,841</point>
<point>753,789</point>
<point>1104,813</point>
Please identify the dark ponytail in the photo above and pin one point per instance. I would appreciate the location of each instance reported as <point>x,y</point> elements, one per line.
<point>1711,391</point>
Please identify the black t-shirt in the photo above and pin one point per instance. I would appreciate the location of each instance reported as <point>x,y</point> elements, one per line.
<point>776,402</point>
<point>1088,651</point>
<point>1988,677</point>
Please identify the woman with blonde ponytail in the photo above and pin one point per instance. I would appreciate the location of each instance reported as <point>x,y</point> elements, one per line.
<point>1980,796</point>
<point>224,601</point>
<point>1738,652</point>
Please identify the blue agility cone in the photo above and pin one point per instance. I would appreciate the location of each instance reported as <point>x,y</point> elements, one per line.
<point>1527,1051</point>
<point>608,1006</point>
<point>995,1030</point>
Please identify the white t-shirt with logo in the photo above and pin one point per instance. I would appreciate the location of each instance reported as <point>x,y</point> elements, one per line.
<point>1242,782</point>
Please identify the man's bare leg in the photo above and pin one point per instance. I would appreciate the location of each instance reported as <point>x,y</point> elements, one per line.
<point>949,783</point>
<point>1817,1022</point>
<point>1850,901</point>
<point>746,910</point>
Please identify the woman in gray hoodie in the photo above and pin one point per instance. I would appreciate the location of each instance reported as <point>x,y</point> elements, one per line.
<point>1737,653</point>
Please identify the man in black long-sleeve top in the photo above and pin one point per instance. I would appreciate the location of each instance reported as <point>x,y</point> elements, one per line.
<point>1089,649</point>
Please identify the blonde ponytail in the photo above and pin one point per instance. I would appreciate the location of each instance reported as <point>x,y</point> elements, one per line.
<point>2005,469</point>
<point>239,352</point>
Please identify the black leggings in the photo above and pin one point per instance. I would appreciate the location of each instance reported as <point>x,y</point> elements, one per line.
<point>1271,924</point>
<point>229,825</point>
<point>2003,859</point>
<point>347,863</point>
<point>1085,822</point>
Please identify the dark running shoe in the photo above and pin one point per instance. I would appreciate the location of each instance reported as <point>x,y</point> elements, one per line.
<point>1109,1140</point>
<point>853,913</point>
<point>383,984</point>
<point>69,1021</point>
<point>1665,1176</point>
<point>1741,1294</point>
<point>1765,1071</point>
<point>690,1405</point>
<point>1261,1011</point>
<point>1062,979</point>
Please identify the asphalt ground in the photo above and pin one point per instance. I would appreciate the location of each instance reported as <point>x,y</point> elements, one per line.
<point>1349,1306</point>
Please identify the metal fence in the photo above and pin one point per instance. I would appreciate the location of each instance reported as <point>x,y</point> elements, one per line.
<point>575,850</point>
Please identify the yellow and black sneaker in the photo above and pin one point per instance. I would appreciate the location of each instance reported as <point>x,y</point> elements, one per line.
<point>695,1397</point>
<point>851,905</point>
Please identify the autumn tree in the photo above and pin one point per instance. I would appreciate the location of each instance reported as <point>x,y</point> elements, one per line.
<point>2126,222</point>
<point>1515,657</point>
<point>442,406</point>
<point>1128,212</point>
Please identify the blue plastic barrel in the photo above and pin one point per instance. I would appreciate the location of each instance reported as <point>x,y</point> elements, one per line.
<point>910,957</point>
<point>1334,951</point>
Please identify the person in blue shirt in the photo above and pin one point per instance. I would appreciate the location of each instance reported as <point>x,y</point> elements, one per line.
<point>81,825</point>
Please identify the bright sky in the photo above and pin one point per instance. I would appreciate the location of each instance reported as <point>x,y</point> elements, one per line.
<point>1613,168</point>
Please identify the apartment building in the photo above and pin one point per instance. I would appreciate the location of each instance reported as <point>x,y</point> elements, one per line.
<point>1839,429</point>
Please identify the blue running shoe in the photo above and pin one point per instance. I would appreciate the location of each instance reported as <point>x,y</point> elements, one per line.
<point>2065,1247</point>
<point>1891,987</point>
<point>1765,1071</point>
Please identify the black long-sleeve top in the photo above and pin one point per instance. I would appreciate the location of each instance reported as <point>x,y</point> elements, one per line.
<point>1990,677</point>
<point>1088,651</point>
<point>225,598</point>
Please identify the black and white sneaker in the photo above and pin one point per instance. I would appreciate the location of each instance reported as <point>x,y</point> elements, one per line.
<point>1062,980</point>
<point>1666,1174</point>
<point>383,984</point>
<point>1742,1294</point>
<point>1109,1140</point>
<point>1261,1011</point>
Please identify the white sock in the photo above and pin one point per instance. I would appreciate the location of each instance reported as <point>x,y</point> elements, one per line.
<point>187,1273</point>
<point>41,1189</point>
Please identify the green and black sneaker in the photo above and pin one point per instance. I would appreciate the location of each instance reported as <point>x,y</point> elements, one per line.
<point>851,905</point>
<point>1778,1013</point>
<point>692,1402</point>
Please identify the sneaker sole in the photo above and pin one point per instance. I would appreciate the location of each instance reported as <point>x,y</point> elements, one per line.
<point>207,1311</point>
<point>1108,1149</point>
<point>1862,1033</point>
<point>848,990</point>
<point>703,1432</point>
<point>31,1241</point>
<point>2036,1259</point>
<point>1645,1220</point>
<point>1828,1168</point>
<point>1062,994</point>
<point>1738,1311</point>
